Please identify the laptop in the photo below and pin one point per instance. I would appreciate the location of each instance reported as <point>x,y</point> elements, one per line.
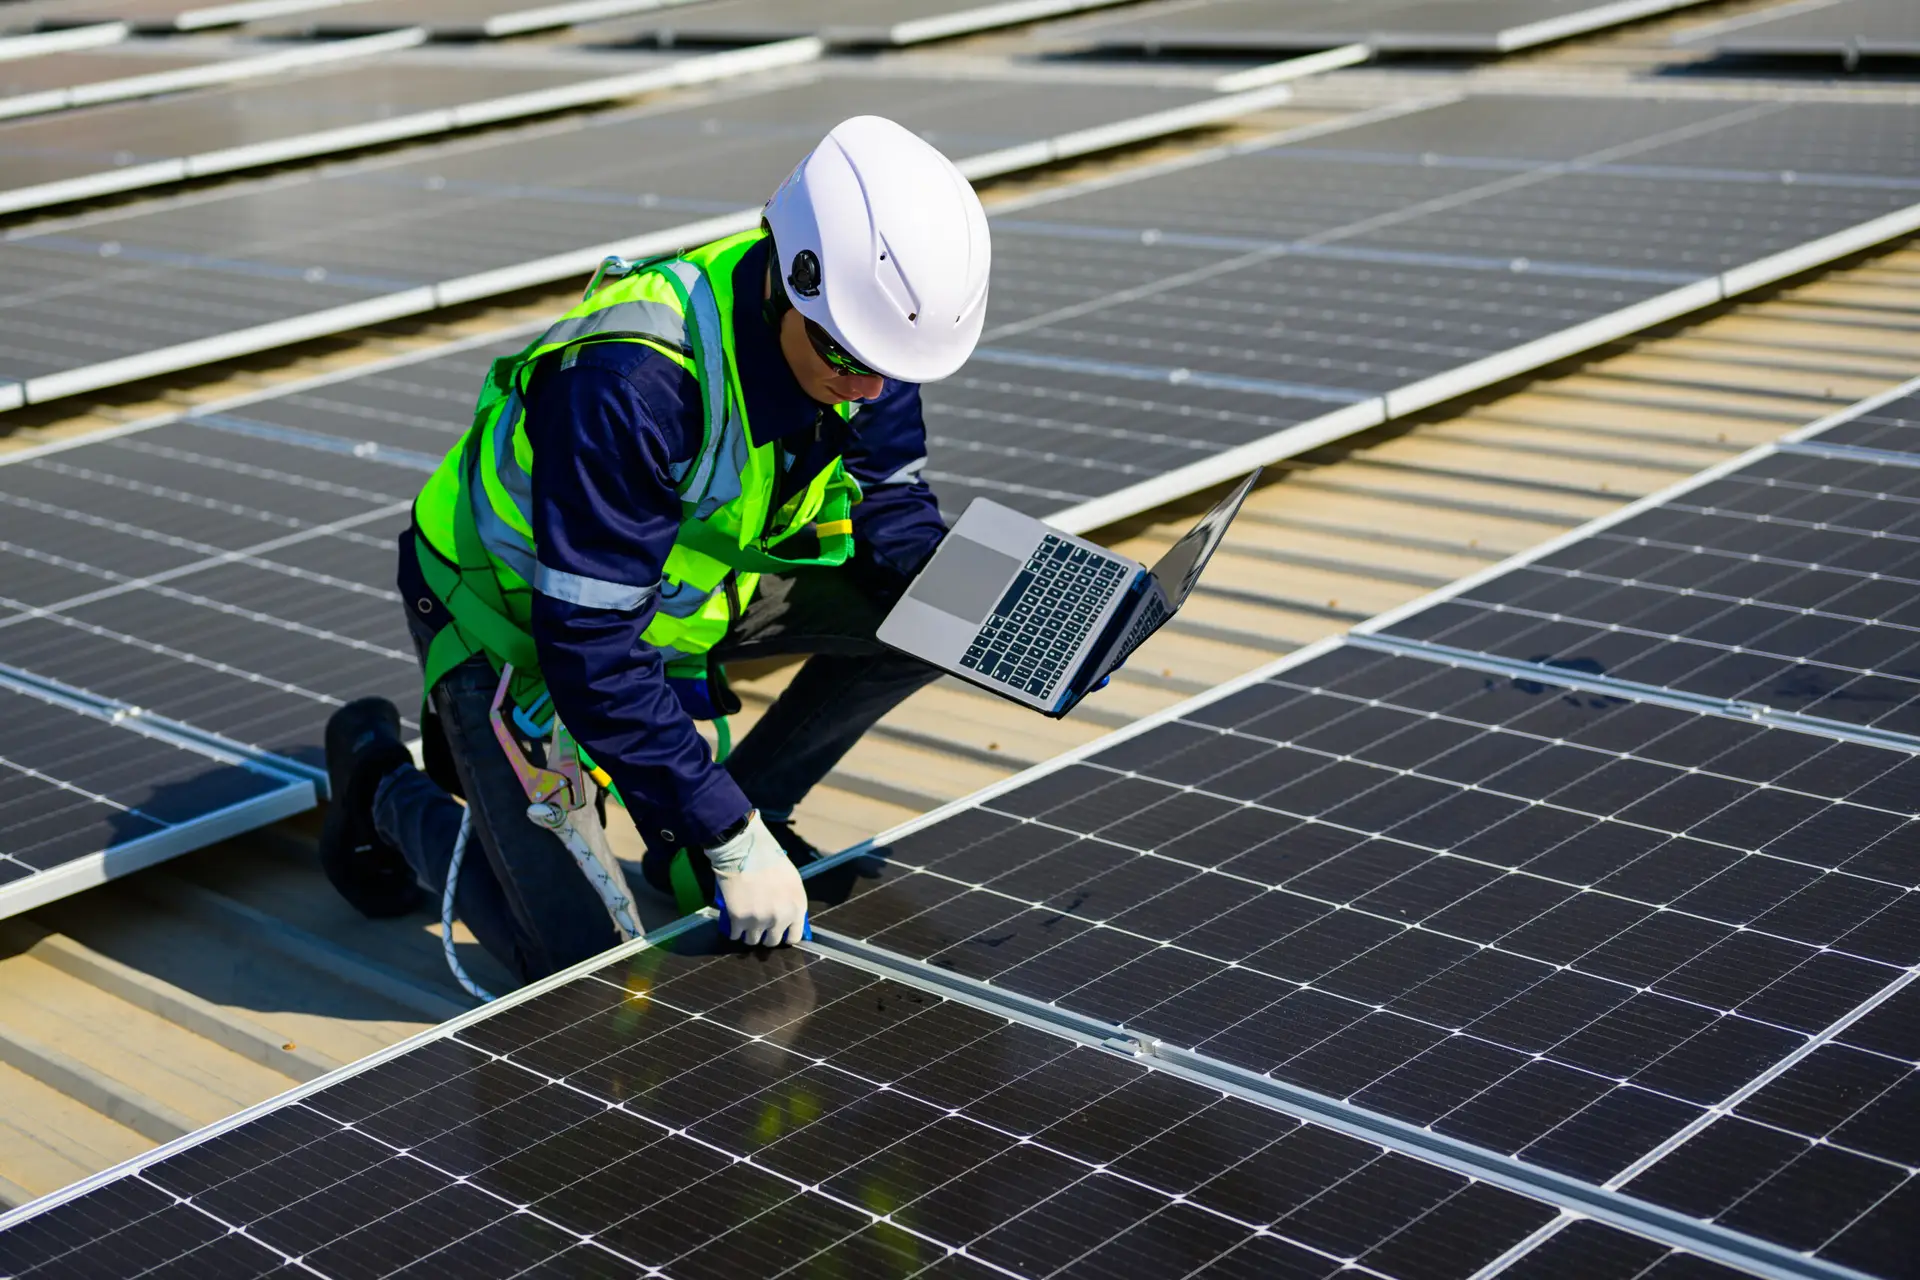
<point>1039,616</point>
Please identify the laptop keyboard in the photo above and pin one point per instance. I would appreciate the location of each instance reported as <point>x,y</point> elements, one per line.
<point>1043,617</point>
<point>1152,614</point>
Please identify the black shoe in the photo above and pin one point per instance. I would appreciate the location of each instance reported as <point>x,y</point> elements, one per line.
<point>364,746</point>
<point>800,850</point>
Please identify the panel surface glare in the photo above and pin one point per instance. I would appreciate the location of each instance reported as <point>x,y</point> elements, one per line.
<point>145,15</point>
<point>733,1115</point>
<point>125,283</point>
<point>64,70</point>
<point>64,147</point>
<point>866,22</point>
<point>1549,923</point>
<point>1788,583</point>
<point>1487,25</point>
<point>445,19</point>
<point>1151,323</point>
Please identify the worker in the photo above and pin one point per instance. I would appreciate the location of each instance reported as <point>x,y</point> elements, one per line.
<point>716,456</point>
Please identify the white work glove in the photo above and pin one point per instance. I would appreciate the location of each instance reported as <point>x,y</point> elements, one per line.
<point>766,900</point>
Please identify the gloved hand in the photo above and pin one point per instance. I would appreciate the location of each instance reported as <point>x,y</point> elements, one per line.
<point>766,899</point>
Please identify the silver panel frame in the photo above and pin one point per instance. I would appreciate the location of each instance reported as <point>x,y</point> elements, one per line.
<point>1599,16</point>
<point>1370,634</point>
<point>683,74</point>
<point>220,72</point>
<point>580,262</point>
<point>295,794</point>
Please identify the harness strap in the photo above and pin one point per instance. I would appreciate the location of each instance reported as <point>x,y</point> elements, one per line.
<point>479,622</point>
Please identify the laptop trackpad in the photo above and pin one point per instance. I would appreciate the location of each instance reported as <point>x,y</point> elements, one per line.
<point>966,579</point>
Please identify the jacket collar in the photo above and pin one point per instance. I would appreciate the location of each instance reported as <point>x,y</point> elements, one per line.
<point>776,406</point>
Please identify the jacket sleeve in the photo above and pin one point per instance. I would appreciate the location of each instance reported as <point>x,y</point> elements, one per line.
<point>607,433</point>
<point>898,524</point>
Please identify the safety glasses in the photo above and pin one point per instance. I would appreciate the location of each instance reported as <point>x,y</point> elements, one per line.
<point>836,356</point>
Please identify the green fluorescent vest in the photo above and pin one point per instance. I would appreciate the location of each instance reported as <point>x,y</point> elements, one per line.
<point>475,515</point>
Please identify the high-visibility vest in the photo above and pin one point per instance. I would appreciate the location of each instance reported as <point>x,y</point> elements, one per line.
<point>474,517</point>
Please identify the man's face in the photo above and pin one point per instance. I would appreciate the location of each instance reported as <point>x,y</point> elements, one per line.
<point>816,377</point>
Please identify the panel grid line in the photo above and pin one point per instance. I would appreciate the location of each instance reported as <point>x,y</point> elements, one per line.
<point>961,932</point>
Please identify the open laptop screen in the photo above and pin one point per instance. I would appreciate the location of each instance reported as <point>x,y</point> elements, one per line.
<point>1179,569</point>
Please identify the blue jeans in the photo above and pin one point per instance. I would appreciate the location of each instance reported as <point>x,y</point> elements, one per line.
<point>520,891</point>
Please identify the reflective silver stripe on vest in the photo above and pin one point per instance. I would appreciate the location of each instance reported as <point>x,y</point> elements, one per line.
<point>654,320</point>
<point>680,599</point>
<point>502,541</point>
<point>713,380</point>
<point>590,593</point>
<point>499,537</point>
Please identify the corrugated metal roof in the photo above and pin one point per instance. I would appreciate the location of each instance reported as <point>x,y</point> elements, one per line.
<point>179,994</point>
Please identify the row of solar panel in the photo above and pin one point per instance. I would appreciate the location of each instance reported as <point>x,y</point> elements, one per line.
<point>1780,587</point>
<point>248,616</point>
<point>720,1115</point>
<point>91,792</point>
<point>1849,29</point>
<point>1401,261</point>
<point>1484,25</point>
<point>1663,952</point>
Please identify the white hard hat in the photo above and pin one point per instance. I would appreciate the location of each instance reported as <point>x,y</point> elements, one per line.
<point>884,245</point>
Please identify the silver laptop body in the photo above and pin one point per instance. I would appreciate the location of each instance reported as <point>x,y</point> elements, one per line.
<point>1039,616</point>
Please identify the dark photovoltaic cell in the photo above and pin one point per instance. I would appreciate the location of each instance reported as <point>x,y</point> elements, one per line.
<point>1893,427</point>
<point>1786,584</point>
<point>83,799</point>
<point>1549,923</point>
<point>1845,28</point>
<point>738,1115</point>
<point>1797,1158</point>
<point>1485,25</point>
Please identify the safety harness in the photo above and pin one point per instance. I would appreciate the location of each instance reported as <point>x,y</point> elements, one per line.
<point>474,538</point>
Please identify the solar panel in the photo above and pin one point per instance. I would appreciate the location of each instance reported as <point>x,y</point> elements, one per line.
<point>726,1114</point>
<point>459,19</point>
<point>1780,586</point>
<point>1491,26</point>
<point>1367,247</point>
<point>1849,29</point>
<point>149,68</point>
<point>225,272</point>
<point>845,22</point>
<point>61,158</point>
<point>1892,426</point>
<point>145,15</point>
<point>1154,335</point>
<point>89,792</point>
<point>43,78</point>
<point>1571,927</point>
<point>234,569</point>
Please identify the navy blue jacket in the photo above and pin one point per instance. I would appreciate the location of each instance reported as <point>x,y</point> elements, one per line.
<point>606,431</point>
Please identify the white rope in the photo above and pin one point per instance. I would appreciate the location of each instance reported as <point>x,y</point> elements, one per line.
<point>446,907</point>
